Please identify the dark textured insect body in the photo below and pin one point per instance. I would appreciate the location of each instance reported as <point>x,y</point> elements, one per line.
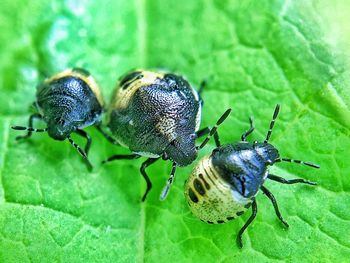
<point>223,185</point>
<point>67,102</point>
<point>156,115</point>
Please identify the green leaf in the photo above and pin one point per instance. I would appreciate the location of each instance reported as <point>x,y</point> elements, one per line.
<point>253,55</point>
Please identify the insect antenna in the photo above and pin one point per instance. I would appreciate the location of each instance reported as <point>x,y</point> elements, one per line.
<point>297,161</point>
<point>272,123</point>
<point>214,129</point>
<point>170,181</point>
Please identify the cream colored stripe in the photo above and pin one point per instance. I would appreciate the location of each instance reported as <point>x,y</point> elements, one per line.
<point>90,81</point>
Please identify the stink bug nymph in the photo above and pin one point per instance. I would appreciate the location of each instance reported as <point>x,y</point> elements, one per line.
<point>223,185</point>
<point>156,115</point>
<point>68,102</point>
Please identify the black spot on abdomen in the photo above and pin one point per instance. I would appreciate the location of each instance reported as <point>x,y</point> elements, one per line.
<point>239,213</point>
<point>204,181</point>
<point>198,186</point>
<point>248,205</point>
<point>192,195</point>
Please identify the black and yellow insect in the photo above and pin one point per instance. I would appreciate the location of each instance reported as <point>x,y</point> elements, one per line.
<point>68,102</point>
<point>156,115</point>
<point>223,186</point>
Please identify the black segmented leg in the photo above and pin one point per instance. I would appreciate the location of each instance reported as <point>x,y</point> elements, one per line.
<point>274,203</point>
<point>121,157</point>
<point>291,181</point>
<point>81,151</point>
<point>30,128</point>
<point>169,182</point>
<point>248,132</point>
<point>144,165</point>
<point>250,220</point>
<point>106,135</point>
<point>88,140</point>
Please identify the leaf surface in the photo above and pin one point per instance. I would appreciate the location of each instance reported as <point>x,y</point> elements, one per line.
<point>253,55</point>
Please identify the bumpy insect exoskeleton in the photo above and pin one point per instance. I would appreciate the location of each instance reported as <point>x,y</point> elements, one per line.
<point>67,102</point>
<point>224,185</point>
<point>156,115</point>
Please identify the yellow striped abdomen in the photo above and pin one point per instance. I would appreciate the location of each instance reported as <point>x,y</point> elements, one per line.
<point>210,198</point>
<point>86,77</point>
<point>125,91</point>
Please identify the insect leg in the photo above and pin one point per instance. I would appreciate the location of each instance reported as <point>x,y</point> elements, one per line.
<point>248,132</point>
<point>106,135</point>
<point>30,128</point>
<point>169,182</point>
<point>121,157</point>
<point>88,140</point>
<point>274,203</point>
<point>250,220</point>
<point>291,181</point>
<point>81,151</point>
<point>144,165</point>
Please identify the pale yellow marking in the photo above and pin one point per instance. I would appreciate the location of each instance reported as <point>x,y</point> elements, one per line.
<point>90,81</point>
<point>122,97</point>
<point>167,127</point>
<point>220,201</point>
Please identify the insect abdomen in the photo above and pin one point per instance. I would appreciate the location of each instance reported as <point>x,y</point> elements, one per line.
<point>131,83</point>
<point>210,198</point>
<point>69,97</point>
<point>78,74</point>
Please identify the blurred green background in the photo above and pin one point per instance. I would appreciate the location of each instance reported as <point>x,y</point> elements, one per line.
<point>253,55</point>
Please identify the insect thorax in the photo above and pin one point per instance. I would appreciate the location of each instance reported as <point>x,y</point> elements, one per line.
<point>241,166</point>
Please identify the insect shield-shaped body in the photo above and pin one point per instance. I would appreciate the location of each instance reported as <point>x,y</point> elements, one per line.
<point>156,115</point>
<point>223,185</point>
<point>67,102</point>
